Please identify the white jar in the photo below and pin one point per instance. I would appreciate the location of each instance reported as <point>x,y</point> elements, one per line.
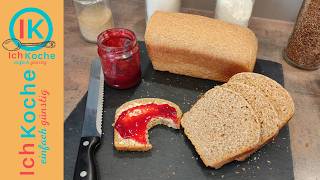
<point>162,5</point>
<point>94,17</point>
<point>234,11</point>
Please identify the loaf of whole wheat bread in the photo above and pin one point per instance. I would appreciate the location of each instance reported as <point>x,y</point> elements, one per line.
<point>199,46</point>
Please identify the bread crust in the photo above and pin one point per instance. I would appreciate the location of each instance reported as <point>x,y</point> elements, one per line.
<point>123,144</point>
<point>245,155</point>
<point>182,61</point>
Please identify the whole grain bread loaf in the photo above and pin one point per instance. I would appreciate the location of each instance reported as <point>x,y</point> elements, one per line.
<point>127,144</point>
<point>222,126</point>
<point>199,46</point>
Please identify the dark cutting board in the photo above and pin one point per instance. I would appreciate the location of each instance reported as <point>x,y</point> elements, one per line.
<point>173,156</point>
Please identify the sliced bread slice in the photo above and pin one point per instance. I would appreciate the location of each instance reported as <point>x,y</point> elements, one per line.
<point>277,95</point>
<point>222,126</point>
<point>266,114</point>
<point>130,144</point>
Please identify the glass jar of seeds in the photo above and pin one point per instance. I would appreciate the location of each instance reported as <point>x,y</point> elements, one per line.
<point>303,49</point>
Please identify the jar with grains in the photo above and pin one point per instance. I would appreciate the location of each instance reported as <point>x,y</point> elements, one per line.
<point>94,16</point>
<point>303,49</point>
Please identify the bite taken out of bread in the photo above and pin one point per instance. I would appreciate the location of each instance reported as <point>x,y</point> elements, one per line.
<point>134,118</point>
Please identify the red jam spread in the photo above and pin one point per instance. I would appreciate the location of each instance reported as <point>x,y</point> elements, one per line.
<point>132,123</point>
<point>120,58</point>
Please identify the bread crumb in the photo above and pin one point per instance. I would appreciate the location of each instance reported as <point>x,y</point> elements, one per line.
<point>222,176</point>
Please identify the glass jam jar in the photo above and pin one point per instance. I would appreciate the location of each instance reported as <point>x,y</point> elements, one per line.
<point>120,58</point>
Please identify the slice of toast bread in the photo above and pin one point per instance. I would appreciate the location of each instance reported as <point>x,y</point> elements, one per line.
<point>266,114</point>
<point>222,126</point>
<point>276,94</point>
<point>127,144</point>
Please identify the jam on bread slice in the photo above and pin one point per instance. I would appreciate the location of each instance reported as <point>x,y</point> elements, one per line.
<point>134,118</point>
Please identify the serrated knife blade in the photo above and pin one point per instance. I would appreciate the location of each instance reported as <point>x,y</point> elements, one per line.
<point>85,168</point>
<point>92,124</point>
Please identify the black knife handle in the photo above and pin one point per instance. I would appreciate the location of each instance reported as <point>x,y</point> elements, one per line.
<point>85,168</point>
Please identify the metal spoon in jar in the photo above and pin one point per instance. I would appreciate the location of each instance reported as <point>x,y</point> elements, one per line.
<point>15,44</point>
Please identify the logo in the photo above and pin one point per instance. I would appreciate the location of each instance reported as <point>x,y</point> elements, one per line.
<point>30,29</point>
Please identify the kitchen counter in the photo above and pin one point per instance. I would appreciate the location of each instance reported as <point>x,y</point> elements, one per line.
<point>304,86</point>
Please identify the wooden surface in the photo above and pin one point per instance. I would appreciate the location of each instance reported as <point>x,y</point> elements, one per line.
<point>304,86</point>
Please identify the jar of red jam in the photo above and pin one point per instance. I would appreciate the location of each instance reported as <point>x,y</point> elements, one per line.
<point>120,58</point>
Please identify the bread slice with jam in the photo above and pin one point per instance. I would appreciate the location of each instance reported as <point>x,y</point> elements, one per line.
<point>134,118</point>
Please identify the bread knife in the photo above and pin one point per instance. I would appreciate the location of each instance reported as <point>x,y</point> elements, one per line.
<point>85,168</point>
